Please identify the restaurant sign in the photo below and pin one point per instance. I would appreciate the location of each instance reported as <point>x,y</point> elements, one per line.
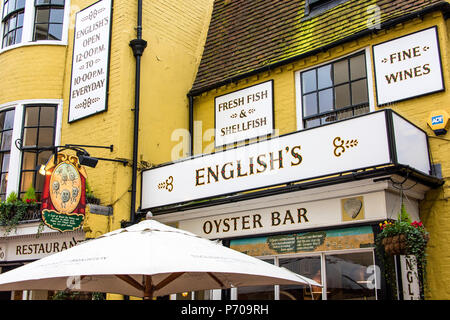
<point>244,114</point>
<point>408,67</point>
<point>64,195</point>
<point>90,61</point>
<point>360,142</point>
<point>32,248</point>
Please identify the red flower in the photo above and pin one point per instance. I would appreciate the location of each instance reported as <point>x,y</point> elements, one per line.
<point>416,224</point>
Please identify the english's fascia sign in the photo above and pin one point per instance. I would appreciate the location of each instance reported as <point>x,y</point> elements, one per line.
<point>362,142</point>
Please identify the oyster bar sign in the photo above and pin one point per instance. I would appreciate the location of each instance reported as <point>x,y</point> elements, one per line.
<point>294,216</point>
<point>360,142</point>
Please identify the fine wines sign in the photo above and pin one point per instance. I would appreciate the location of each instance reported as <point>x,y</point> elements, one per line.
<point>408,67</point>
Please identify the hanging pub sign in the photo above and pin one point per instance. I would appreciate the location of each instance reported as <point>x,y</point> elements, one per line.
<point>408,67</point>
<point>90,61</point>
<point>244,114</point>
<point>64,195</point>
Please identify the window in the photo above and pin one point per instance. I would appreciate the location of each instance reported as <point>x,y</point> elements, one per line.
<point>307,266</point>
<point>334,91</point>
<point>315,7</point>
<point>344,276</point>
<point>38,135</point>
<point>348,276</point>
<point>313,3</point>
<point>12,20</point>
<point>6,130</point>
<point>32,21</point>
<point>258,292</point>
<point>49,18</point>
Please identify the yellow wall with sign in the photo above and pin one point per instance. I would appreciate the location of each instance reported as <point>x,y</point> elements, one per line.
<point>435,210</point>
<point>169,64</point>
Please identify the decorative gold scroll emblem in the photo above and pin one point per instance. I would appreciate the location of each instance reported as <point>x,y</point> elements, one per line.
<point>167,184</point>
<point>341,145</point>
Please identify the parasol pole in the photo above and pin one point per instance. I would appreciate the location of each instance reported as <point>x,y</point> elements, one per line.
<point>148,288</point>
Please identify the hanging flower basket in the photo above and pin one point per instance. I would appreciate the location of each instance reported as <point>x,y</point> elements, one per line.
<point>403,237</point>
<point>395,245</point>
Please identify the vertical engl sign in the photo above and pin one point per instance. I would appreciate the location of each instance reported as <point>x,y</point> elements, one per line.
<point>90,61</point>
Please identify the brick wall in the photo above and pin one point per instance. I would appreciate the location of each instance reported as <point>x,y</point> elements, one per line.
<point>434,209</point>
<point>175,32</point>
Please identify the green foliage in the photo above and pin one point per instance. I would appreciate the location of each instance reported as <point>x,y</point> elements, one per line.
<point>75,295</point>
<point>403,215</point>
<point>98,296</point>
<point>12,197</point>
<point>88,189</point>
<point>416,239</point>
<point>29,196</point>
<point>90,198</point>
<point>14,210</point>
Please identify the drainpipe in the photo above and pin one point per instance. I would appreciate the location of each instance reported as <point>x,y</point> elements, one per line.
<point>137,45</point>
<point>191,125</point>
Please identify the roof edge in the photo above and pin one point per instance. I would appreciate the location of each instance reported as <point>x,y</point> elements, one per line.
<point>444,7</point>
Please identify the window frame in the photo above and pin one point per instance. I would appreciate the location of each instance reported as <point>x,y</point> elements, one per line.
<point>16,156</point>
<point>323,274</point>
<point>28,27</point>
<point>5,151</point>
<point>314,9</point>
<point>35,148</point>
<point>8,17</point>
<point>48,6</point>
<point>299,93</point>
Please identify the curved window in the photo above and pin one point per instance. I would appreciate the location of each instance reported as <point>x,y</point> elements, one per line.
<point>12,19</point>
<point>49,18</point>
<point>30,21</point>
<point>6,131</point>
<point>38,135</point>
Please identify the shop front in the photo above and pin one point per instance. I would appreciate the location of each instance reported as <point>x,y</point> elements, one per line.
<point>326,233</point>
<point>26,246</point>
<point>310,201</point>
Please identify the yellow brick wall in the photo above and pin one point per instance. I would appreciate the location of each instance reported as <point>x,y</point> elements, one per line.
<point>23,68</point>
<point>435,211</point>
<point>175,32</point>
<point>109,181</point>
